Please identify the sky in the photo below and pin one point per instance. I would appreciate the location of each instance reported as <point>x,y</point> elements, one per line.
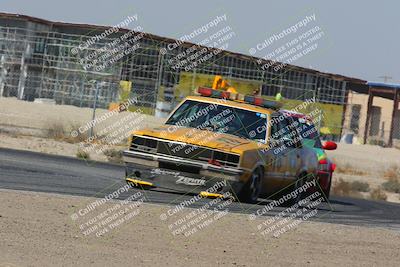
<point>359,38</point>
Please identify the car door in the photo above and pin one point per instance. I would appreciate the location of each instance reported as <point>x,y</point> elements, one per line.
<point>311,146</point>
<point>283,155</point>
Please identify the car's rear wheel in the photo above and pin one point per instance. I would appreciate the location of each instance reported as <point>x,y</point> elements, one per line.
<point>295,186</point>
<point>327,192</point>
<point>251,190</point>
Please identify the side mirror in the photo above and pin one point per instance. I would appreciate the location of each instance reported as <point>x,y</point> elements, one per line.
<point>329,145</point>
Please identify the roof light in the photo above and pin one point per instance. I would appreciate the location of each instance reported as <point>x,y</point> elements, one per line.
<point>262,102</point>
<point>205,91</point>
<point>225,94</point>
<point>258,101</point>
<point>240,97</point>
<point>233,96</point>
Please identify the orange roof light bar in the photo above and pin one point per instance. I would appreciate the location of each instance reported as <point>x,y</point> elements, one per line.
<point>258,101</point>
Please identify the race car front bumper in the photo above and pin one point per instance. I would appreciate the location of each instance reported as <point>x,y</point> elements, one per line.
<point>181,175</point>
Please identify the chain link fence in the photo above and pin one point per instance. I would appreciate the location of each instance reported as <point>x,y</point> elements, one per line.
<point>40,61</point>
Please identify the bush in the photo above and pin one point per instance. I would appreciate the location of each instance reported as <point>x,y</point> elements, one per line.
<point>393,185</point>
<point>393,173</point>
<point>377,142</point>
<point>360,186</point>
<point>341,188</point>
<point>82,154</point>
<point>378,194</point>
<point>74,136</point>
<point>348,169</point>
<point>353,189</point>
<point>56,130</point>
<point>113,155</point>
<point>71,134</point>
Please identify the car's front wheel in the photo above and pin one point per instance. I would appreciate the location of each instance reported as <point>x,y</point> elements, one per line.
<point>251,190</point>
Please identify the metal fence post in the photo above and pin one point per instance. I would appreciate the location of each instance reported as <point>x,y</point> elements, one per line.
<point>94,108</point>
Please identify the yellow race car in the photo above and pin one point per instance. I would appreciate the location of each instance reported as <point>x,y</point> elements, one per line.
<point>218,143</point>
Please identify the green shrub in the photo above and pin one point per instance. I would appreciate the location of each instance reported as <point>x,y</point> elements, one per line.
<point>378,194</point>
<point>360,186</point>
<point>82,154</point>
<point>393,185</point>
<point>377,142</point>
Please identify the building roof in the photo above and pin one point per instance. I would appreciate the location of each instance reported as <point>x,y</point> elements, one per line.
<point>188,44</point>
<point>395,86</point>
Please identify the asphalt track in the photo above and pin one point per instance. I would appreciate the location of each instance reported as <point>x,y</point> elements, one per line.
<point>31,171</point>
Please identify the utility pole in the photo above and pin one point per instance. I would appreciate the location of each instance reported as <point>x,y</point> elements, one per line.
<point>385,78</point>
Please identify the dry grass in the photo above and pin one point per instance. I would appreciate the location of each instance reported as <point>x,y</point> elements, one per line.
<point>348,169</point>
<point>343,188</point>
<point>113,155</point>
<point>58,131</point>
<point>359,186</point>
<point>378,194</point>
<point>81,137</point>
<point>392,173</point>
<point>354,189</point>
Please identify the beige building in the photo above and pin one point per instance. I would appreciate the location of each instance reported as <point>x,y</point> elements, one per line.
<point>373,115</point>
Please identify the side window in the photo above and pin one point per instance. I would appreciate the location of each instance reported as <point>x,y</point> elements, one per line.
<point>281,133</point>
<point>278,129</point>
<point>308,132</point>
<point>290,135</point>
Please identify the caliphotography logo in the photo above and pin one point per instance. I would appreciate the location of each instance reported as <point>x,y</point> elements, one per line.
<point>212,133</point>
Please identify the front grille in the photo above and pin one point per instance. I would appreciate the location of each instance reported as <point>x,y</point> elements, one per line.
<point>181,150</point>
<point>184,151</point>
<point>226,159</point>
<point>143,145</point>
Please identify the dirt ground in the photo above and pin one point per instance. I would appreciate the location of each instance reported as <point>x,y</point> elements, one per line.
<point>24,125</point>
<point>41,115</point>
<point>368,158</point>
<point>45,145</point>
<point>373,161</point>
<point>36,229</point>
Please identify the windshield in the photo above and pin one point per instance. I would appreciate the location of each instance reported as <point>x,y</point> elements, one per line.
<point>222,119</point>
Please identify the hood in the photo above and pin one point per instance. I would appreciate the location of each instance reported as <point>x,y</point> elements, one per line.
<point>201,138</point>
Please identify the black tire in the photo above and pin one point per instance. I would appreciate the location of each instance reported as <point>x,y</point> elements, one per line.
<point>297,184</point>
<point>327,192</point>
<point>251,190</point>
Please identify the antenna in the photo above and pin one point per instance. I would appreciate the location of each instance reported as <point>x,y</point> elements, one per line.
<point>385,78</point>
